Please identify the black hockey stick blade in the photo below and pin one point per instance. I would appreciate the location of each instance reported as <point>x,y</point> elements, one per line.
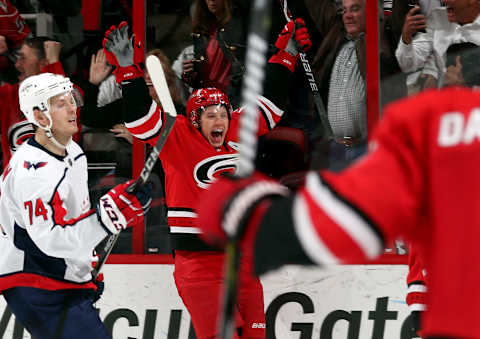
<point>157,75</point>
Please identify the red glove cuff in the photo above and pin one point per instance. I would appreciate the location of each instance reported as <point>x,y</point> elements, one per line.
<point>284,58</point>
<point>127,73</point>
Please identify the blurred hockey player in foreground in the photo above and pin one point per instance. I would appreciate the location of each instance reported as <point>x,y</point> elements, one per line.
<point>417,181</point>
<point>48,228</point>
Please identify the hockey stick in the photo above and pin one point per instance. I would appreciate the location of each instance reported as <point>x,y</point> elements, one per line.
<point>327,129</point>
<point>157,75</point>
<point>255,61</point>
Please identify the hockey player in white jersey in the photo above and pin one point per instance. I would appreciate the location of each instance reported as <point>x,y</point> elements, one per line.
<point>48,228</point>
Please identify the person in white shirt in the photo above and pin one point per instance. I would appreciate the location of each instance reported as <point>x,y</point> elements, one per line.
<point>458,22</point>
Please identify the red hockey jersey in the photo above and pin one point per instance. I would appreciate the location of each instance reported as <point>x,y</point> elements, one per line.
<point>191,164</point>
<point>418,181</point>
<point>416,281</point>
<point>12,26</point>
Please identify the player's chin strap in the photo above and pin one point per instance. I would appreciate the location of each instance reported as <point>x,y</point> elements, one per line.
<point>49,134</point>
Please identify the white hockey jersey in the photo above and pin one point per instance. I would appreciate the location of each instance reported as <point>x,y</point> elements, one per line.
<point>48,230</point>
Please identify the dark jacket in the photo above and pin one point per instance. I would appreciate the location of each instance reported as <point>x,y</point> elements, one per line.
<point>232,41</point>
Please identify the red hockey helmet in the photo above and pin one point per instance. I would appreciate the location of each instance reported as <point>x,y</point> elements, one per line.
<point>202,98</point>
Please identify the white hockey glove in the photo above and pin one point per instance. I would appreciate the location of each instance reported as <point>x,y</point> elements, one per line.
<point>118,209</point>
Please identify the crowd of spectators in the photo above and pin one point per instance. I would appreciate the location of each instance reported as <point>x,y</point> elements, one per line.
<point>423,44</point>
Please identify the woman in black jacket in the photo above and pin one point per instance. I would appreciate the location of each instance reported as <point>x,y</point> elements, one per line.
<point>219,29</point>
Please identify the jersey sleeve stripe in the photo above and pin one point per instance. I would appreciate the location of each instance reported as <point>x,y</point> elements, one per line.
<point>147,126</point>
<point>178,229</point>
<point>417,288</point>
<point>269,109</point>
<point>416,296</point>
<point>308,237</point>
<point>417,307</point>
<point>345,217</point>
<point>176,214</point>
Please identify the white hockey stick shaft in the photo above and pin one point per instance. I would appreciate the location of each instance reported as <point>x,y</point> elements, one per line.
<point>155,70</point>
<point>257,46</point>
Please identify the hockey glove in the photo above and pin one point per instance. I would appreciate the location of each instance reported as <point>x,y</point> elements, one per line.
<point>123,53</point>
<point>293,39</point>
<point>118,209</point>
<point>232,208</point>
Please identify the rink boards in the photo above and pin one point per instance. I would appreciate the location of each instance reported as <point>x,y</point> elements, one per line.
<point>357,301</point>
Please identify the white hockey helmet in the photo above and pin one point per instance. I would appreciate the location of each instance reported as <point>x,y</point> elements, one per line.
<point>36,90</point>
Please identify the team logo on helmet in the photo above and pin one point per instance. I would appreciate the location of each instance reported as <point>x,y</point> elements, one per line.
<point>202,98</point>
<point>208,170</point>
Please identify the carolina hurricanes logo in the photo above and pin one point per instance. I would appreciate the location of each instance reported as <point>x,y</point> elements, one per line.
<point>28,164</point>
<point>18,133</point>
<point>206,171</point>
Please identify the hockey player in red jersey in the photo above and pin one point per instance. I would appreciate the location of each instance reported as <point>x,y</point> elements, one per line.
<point>48,229</point>
<point>417,287</point>
<point>416,182</point>
<point>201,146</point>
<point>37,55</point>
<point>12,26</point>
<point>13,32</point>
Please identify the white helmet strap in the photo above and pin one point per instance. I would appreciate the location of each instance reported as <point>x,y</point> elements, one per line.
<point>49,134</point>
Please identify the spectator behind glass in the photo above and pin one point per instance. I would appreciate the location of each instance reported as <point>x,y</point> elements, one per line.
<point>458,22</point>
<point>414,20</point>
<point>102,112</point>
<point>37,55</point>
<point>340,71</point>
<point>170,77</point>
<point>67,28</point>
<point>13,32</point>
<point>177,66</point>
<point>103,107</point>
<point>219,39</point>
<point>463,68</point>
<point>339,68</point>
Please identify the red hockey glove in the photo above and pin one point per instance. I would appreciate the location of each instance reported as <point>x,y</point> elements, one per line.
<point>118,209</point>
<point>232,208</point>
<point>123,53</point>
<point>293,38</point>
